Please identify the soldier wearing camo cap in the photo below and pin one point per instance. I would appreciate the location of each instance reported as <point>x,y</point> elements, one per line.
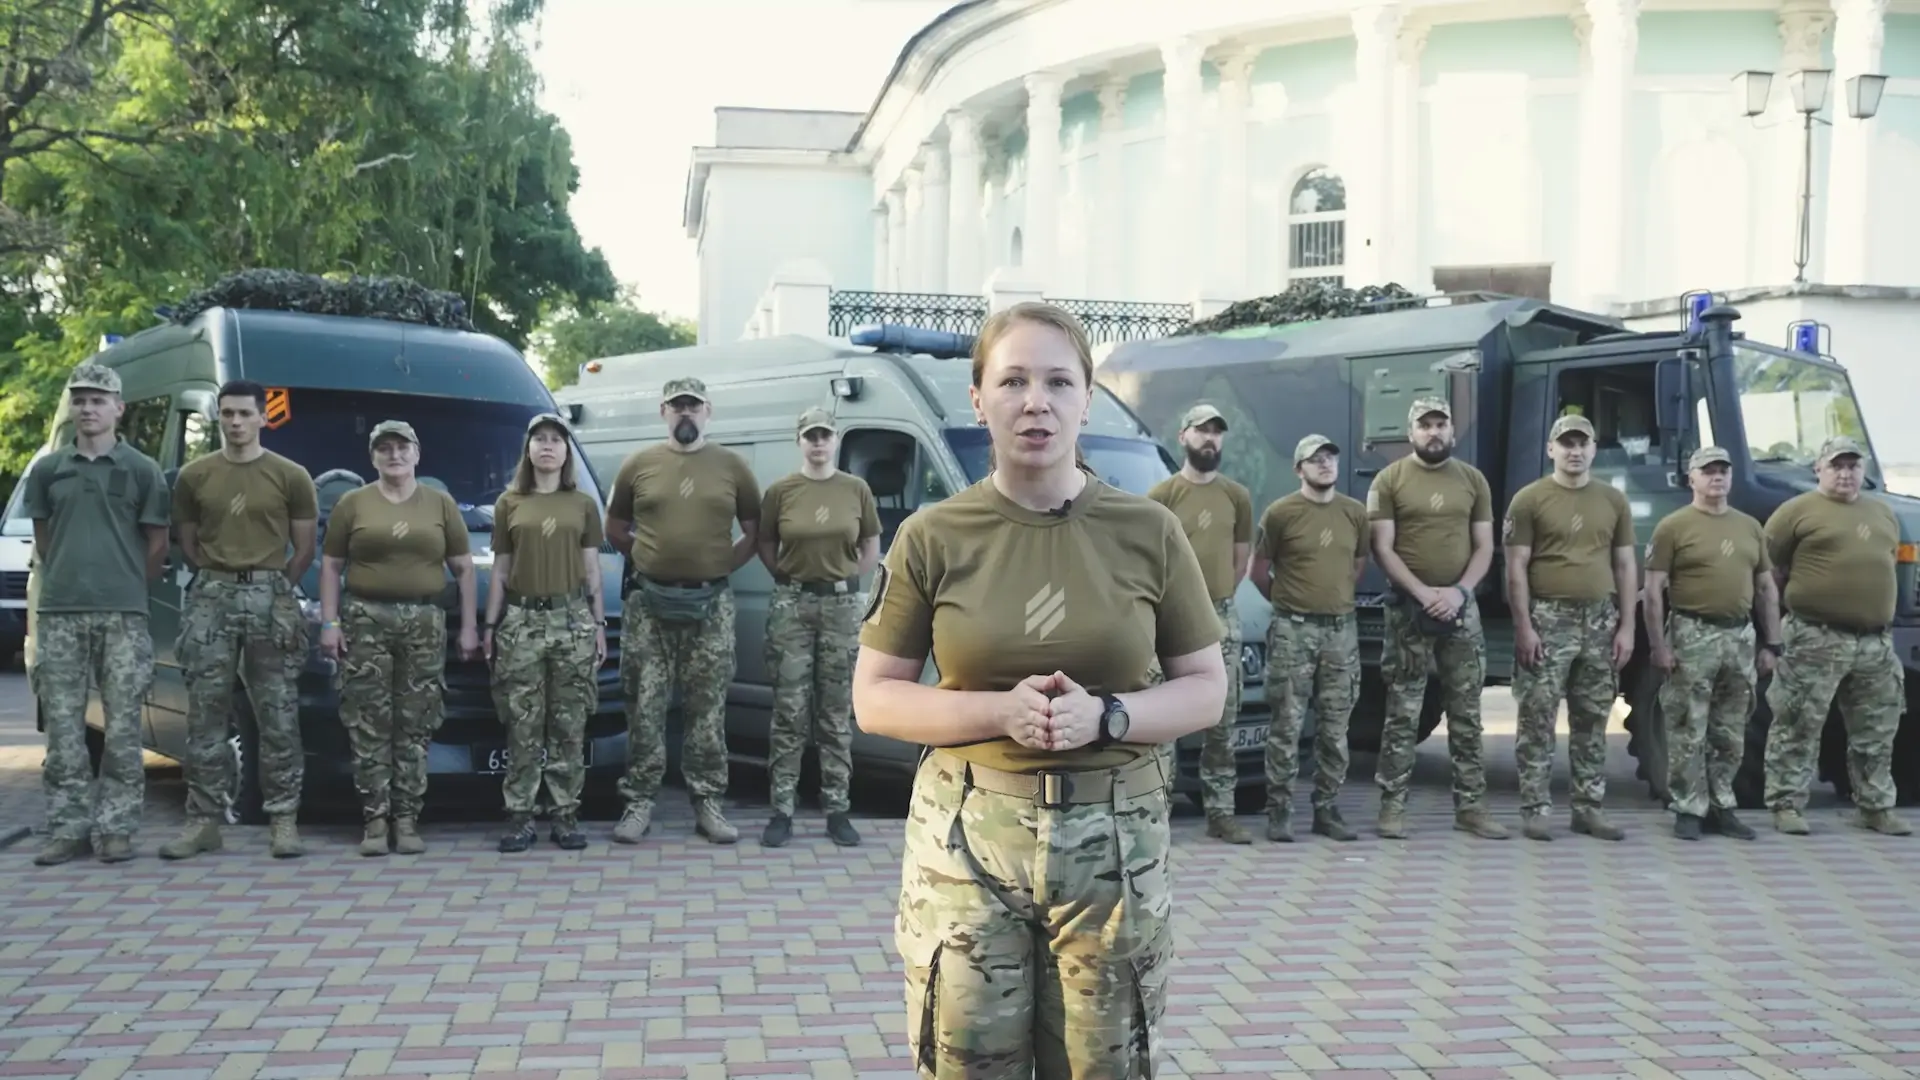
<point>394,540</point>
<point>1216,513</point>
<point>1835,550</point>
<point>1713,561</point>
<point>672,510</point>
<point>1431,515</point>
<point>99,509</point>
<point>819,535</point>
<point>1572,586</point>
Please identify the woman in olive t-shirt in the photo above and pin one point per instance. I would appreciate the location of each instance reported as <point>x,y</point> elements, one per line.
<point>394,540</point>
<point>1044,597</point>
<point>546,633</point>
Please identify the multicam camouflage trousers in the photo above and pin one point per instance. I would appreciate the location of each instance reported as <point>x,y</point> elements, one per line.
<point>1822,666</point>
<point>543,689</point>
<point>1311,659</point>
<point>1458,660</point>
<point>811,642</point>
<point>1037,941</point>
<point>392,699</point>
<point>1219,771</point>
<point>1576,639</point>
<point>232,628</point>
<point>73,653</point>
<point>658,657</point>
<point>1706,700</point>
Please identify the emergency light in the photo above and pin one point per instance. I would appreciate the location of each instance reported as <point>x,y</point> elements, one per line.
<point>1808,336</point>
<point>110,340</point>
<point>1695,304</point>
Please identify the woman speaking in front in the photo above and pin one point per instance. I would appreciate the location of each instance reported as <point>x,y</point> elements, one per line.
<point>1034,901</point>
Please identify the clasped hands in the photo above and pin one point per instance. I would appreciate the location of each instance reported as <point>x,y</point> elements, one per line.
<point>1051,712</point>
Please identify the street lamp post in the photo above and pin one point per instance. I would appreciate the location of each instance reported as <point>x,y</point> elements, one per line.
<point>1809,88</point>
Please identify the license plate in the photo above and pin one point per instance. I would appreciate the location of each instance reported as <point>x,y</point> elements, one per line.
<point>492,760</point>
<point>1249,737</point>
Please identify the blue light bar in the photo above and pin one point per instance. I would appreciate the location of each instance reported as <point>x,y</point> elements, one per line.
<point>912,339</point>
<point>1808,336</point>
<point>1695,304</point>
<point>108,340</point>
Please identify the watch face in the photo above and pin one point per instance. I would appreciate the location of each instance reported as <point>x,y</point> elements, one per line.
<point>1117,721</point>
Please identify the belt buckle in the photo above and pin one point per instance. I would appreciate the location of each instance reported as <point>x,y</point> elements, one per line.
<point>840,588</point>
<point>1054,788</point>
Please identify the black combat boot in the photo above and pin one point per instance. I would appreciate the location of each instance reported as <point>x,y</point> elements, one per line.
<point>779,830</point>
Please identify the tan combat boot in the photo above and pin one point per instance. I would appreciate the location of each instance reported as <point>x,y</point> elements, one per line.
<point>1222,826</point>
<point>1788,821</point>
<point>634,823</point>
<point>406,836</point>
<point>116,849</point>
<point>1593,822</point>
<point>55,851</point>
<point>284,839</point>
<point>1476,820</point>
<point>1393,821</point>
<point>709,822</point>
<point>198,836</point>
<point>1534,825</point>
<point>1280,824</point>
<point>374,842</point>
<point>1882,821</point>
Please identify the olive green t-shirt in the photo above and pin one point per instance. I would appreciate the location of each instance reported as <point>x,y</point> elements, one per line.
<point>683,506</point>
<point>1839,558</point>
<point>998,593</point>
<point>544,535</point>
<point>1433,511</point>
<point>817,526</point>
<point>1312,547</point>
<point>396,551</point>
<point>1572,533</point>
<point>243,511</point>
<point>1215,515</point>
<point>97,513</point>
<point>1710,560</point>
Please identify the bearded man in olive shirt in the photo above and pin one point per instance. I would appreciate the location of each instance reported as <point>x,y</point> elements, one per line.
<point>1714,561</point>
<point>238,512</point>
<point>1431,516</point>
<point>1572,584</point>
<point>672,510</point>
<point>1216,513</point>
<point>1835,551</point>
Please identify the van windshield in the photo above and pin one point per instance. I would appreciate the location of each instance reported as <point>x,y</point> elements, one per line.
<point>467,448</point>
<point>1133,465</point>
<point>16,522</point>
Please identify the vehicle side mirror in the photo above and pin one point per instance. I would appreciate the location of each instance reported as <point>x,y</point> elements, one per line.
<point>1673,398</point>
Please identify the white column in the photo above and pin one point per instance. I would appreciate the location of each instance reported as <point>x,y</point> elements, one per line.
<point>1859,32</point>
<point>1803,31</point>
<point>1112,277</point>
<point>963,204</point>
<point>1406,262</point>
<point>1183,199</point>
<point>1043,177</point>
<point>1613,34</point>
<point>881,242</point>
<point>1229,273</point>
<point>896,239</point>
<point>935,208</point>
<point>913,266</point>
<point>1376,34</point>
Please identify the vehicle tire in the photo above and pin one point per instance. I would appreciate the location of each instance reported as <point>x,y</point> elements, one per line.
<point>96,748</point>
<point>1432,711</point>
<point>9,648</point>
<point>1906,752</point>
<point>1750,783</point>
<point>245,804</point>
<point>1369,719</point>
<point>1832,764</point>
<point>1647,732</point>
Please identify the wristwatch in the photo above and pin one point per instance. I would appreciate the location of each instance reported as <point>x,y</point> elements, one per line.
<point>1114,721</point>
<point>1773,647</point>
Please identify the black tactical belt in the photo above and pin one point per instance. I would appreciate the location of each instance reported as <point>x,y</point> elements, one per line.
<point>1053,790</point>
<point>237,577</point>
<point>1724,622</point>
<point>683,583</point>
<point>1306,617</point>
<point>1856,631</point>
<point>416,601</point>
<point>542,603</point>
<point>841,587</point>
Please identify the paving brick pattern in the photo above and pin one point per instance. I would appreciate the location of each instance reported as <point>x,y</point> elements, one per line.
<point>1442,956</point>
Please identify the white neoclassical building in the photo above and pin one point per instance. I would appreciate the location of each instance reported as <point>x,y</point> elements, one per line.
<point>1599,152</point>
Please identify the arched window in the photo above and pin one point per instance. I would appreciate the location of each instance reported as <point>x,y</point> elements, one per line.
<point>1014,248</point>
<point>1317,228</point>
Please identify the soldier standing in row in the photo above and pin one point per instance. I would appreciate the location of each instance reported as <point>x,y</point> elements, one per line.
<point>1571,583</point>
<point>546,632</point>
<point>671,511</point>
<point>819,535</point>
<point>1713,559</point>
<point>237,512</point>
<point>1432,523</point>
<point>1836,553</point>
<point>1312,549</point>
<point>1216,513</point>
<point>99,510</point>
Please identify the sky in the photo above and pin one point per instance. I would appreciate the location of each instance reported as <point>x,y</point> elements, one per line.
<point>635,83</point>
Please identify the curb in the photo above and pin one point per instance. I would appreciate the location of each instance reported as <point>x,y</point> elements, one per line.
<point>14,835</point>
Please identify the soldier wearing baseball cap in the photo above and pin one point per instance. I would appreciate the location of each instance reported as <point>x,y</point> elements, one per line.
<point>1431,517</point>
<point>1572,584</point>
<point>394,542</point>
<point>1709,562</point>
<point>100,510</point>
<point>1837,550</point>
<point>1216,513</point>
<point>671,511</point>
<point>1308,553</point>
<point>819,535</point>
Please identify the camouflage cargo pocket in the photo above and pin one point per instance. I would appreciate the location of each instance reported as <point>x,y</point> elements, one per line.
<point>290,633</point>
<point>197,623</point>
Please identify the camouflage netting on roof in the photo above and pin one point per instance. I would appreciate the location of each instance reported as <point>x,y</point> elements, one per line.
<point>395,298</point>
<point>1304,301</point>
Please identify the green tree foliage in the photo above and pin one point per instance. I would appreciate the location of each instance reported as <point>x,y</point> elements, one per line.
<point>173,143</point>
<point>606,329</point>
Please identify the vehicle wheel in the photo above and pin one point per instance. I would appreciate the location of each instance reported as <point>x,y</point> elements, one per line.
<point>1833,756</point>
<point>96,748</point>
<point>1906,752</point>
<point>244,805</point>
<point>1432,708</point>
<point>1750,783</point>
<point>9,648</point>
<point>1647,733</point>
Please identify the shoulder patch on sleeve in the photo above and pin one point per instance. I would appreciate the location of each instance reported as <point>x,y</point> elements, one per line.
<point>1373,500</point>
<point>1506,528</point>
<point>882,577</point>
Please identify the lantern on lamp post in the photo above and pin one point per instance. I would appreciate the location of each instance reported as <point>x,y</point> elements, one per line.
<point>1808,87</point>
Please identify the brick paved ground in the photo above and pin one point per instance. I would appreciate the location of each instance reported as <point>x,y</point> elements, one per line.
<point>1440,957</point>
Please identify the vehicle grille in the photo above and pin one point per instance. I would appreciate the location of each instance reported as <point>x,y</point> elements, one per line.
<point>13,585</point>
